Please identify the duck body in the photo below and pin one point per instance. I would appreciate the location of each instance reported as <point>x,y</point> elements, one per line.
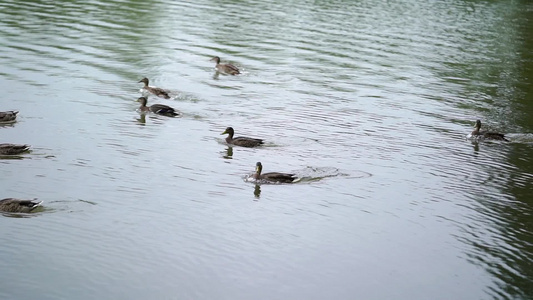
<point>272,176</point>
<point>13,149</point>
<point>14,205</point>
<point>159,109</point>
<point>156,91</point>
<point>225,68</point>
<point>8,116</point>
<point>241,141</point>
<point>487,135</point>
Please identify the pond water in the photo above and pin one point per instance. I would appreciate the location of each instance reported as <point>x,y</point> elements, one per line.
<point>369,102</point>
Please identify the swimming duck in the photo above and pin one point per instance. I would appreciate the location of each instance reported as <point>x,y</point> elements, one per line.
<point>8,116</point>
<point>225,68</point>
<point>487,135</point>
<point>13,149</point>
<point>272,176</point>
<point>241,141</point>
<point>156,91</point>
<point>159,109</point>
<point>18,205</point>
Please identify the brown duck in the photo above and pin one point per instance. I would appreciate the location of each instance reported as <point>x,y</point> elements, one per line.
<point>8,116</point>
<point>241,141</point>
<point>487,135</point>
<point>225,68</point>
<point>159,109</point>
<point>156,91</point>
<point>272,176</point>
<point>13,149</point>
<point>13,205</point>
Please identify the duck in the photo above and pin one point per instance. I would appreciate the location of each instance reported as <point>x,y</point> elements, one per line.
<point>8,116</point>
<point>225,68</point>
<point>159,109</point>
<point>272,176</point>
<point>156,91</point>
<point>487,135</point>
<point>13,149</point>
<point>14,205</point>
<point>241,141</point>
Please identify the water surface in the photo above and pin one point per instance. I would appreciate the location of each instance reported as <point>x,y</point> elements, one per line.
<point>371,101</point>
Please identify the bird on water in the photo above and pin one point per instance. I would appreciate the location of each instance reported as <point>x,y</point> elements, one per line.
<point>272,176</point>
<point>241,140</point>
<point>13,149</point>
<point>154,90</point>
<point>487,135</point>
<point>8,116</point>
<point>159,109</point>
<point>225,68</point>
<point>14,205</point>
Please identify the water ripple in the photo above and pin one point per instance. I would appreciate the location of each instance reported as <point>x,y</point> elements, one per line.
<point>381,92</point>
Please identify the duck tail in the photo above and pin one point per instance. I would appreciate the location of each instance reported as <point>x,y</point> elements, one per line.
<point>36,202</point>
<point>170,114</point>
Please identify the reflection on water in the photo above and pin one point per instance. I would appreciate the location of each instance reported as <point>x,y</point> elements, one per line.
<point>7,125</point>
<point>14,156</point>
<point>368,101</point>
<point>228,154</point>
<point>20,215</point>
<point>142,119</point>
<point>257,191</point>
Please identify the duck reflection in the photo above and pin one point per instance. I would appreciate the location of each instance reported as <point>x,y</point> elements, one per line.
<point>257,191</point>
<point>13,157</point>
<point>228,154</point>
<point>142,119</point>
<point>476,147</point>
<point>12,124</point>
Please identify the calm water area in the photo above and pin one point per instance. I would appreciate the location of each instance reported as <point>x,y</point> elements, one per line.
<point>368,102</point>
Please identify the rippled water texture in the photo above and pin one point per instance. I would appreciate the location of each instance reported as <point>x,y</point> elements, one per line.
<point>369,102</point>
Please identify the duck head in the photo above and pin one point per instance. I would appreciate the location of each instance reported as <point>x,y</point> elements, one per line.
<point>258,168</point>
<point>145,80</point>
<point>142,100</point>
<point>229,131</point>
<point>477,128</point>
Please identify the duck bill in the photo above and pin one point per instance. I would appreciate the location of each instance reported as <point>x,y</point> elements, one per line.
<point>225,132</point>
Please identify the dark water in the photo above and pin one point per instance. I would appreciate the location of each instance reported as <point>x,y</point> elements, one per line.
<point>369,101</point>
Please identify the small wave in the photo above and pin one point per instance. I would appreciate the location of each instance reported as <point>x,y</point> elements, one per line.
<point>311,174</point>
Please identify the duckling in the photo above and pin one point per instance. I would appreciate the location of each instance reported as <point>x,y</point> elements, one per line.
<point>487,135</point>
<point>18,205</point>
<point>8,116</point>
<point>272,176</point>
<point>156,91</point>
<point>159,109</point>
<point>13,149</point>
<point>225,68</point>
<point>241,141</point>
